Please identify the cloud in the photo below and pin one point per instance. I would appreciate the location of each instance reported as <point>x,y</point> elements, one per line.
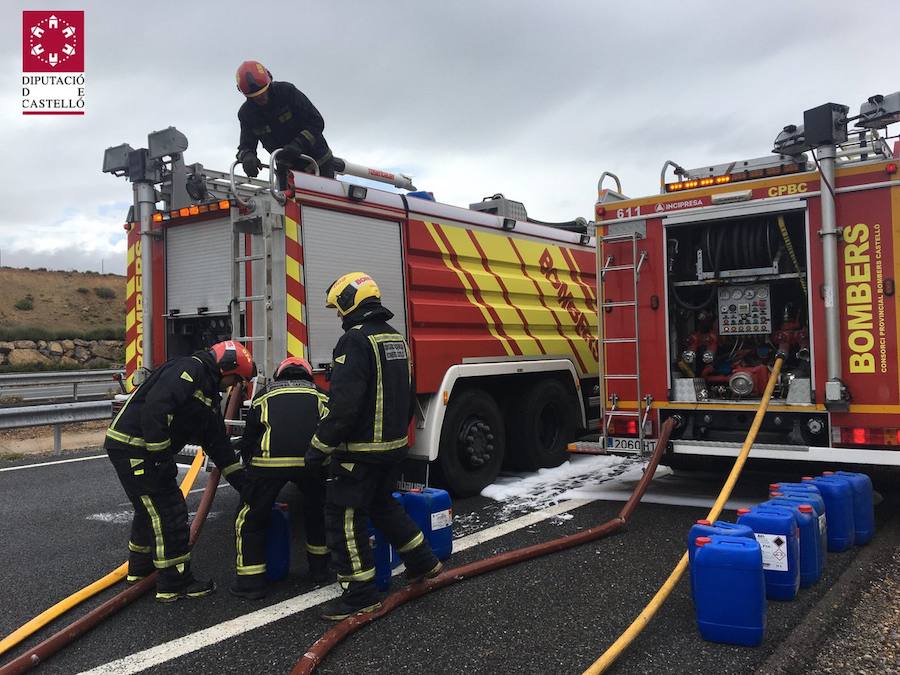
<point>471,98</point>
<point>78,240</point>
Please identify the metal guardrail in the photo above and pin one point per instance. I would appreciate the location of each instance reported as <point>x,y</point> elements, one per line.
<point>57,377</point>
<point>11,381</point>
<point>55,416</point>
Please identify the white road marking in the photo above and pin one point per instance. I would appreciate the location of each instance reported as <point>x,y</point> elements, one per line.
<point>182,646</point>
<point>60,461</point>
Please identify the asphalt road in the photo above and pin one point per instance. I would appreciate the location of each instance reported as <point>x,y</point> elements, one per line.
<point>64,525</point>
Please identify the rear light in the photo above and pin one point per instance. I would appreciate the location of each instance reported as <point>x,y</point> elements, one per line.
<point>628,427</point>
<point>157,217</point>
<point>891,169</point>
<point>865,436</point>
<point>194,210</point>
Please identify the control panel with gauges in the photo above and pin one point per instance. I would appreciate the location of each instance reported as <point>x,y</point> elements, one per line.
<point>745,310</point>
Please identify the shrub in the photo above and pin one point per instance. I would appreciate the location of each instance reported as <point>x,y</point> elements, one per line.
<point>104,293</point>
<point>25,304</point>
<point>84,290</point>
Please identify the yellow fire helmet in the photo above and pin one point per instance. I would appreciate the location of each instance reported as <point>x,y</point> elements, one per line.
<point>349,292</point>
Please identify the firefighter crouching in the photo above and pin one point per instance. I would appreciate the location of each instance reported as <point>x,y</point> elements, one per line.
<point>179,403</point>
<point>365,434</point>
<point>282,420</point>
<point>279,115</point>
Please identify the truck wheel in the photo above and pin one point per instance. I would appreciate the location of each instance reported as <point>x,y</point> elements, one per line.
<point>541,424</point>
<point>472,443</point>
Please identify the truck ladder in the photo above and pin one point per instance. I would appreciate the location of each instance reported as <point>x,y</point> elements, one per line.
<point>255,265</point>
<point>609,397</point>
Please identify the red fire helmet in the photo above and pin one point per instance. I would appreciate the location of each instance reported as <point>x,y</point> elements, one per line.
<point>253,79</point>
<point>293,362</point>
<point>233,359</point>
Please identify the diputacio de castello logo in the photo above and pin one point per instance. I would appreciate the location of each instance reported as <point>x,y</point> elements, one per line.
<point>53,62</point>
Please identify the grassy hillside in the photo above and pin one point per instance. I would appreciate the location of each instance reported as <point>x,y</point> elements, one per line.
<point>40,304</point>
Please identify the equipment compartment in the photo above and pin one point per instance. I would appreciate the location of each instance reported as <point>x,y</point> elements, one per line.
<point>737,294</point>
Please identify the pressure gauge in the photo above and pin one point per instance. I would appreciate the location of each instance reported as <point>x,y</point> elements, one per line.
<point>724,308</point>
<point>763,293</point>
<point>749,294</point>
<point>737,294</point>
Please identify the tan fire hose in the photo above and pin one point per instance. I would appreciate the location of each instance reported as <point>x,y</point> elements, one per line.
<point>57,641</point>
<point>63,606</point>
<point>313,657</point>
<point>638,625</point>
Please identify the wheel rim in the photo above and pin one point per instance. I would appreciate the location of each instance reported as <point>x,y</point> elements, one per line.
<point>548,423</point>
<point>475,443</point>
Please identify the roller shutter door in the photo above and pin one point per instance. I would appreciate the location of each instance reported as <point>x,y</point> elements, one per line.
<point>198,267</point>
<point>336,243</point>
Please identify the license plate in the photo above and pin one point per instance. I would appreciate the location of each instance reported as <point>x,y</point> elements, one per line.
<point>630,444</point>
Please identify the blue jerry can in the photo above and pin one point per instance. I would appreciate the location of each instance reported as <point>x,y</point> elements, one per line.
<point>863,505</point>
<point>775,528</point>
<point>730,590</point>
<point>838,496</point>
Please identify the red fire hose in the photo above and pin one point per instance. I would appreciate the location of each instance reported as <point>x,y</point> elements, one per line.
<point>57,641</point>
<point>335,635</point>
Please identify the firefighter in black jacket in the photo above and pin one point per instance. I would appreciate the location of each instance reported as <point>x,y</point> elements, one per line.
<point>282,420</point>
<point>365,433</point>
<point>179,403</point>
<point>279,115</point>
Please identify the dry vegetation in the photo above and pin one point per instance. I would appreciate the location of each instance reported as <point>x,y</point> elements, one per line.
<point>63,304</point>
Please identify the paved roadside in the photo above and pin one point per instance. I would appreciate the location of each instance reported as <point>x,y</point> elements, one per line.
<point>856,627</point>
<point>20,443</point>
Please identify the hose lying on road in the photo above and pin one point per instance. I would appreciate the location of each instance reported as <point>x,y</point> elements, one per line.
<point>63,606</point>
<point>638,625</point>
<point>327,642</point>
<point>57,641</point>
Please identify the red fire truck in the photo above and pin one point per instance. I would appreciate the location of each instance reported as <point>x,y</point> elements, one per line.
<point>702,283</point>
<point>499,309</point>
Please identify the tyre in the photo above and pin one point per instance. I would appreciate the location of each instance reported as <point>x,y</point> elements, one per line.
<point>541,423</point>
<point>472,443</point>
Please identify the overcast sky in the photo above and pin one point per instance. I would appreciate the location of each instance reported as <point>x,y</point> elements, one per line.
<point>532,99</point>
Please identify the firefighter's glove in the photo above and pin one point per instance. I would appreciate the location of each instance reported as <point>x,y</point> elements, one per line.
<point>315,458</point>
<point>237,479</point>
<point>251,164</point>
<point>293,149</point>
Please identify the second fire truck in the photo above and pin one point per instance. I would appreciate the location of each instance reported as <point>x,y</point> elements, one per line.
<point>499,310</point>
<point>704,282</point>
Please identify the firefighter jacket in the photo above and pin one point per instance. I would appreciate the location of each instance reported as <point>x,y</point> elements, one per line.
<point>282,420</point>
<point>287,117</point>
<point>370,400</point>
<point>179,403</point>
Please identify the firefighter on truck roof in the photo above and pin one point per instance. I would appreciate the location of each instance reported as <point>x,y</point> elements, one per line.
<point>282,420</point>
<point>178,403</point>
<point>365,435</point>
<point>279,115</point>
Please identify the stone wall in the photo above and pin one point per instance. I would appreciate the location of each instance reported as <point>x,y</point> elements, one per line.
<point>25,354</point>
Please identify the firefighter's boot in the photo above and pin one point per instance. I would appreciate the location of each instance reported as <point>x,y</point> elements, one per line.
<point>421,563</point>
<point>358,598</point>
<point>178,582</point>
<point>249,586</point>
<point>140,565</point>
<point>415,576</point>
<point>319,568</point>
